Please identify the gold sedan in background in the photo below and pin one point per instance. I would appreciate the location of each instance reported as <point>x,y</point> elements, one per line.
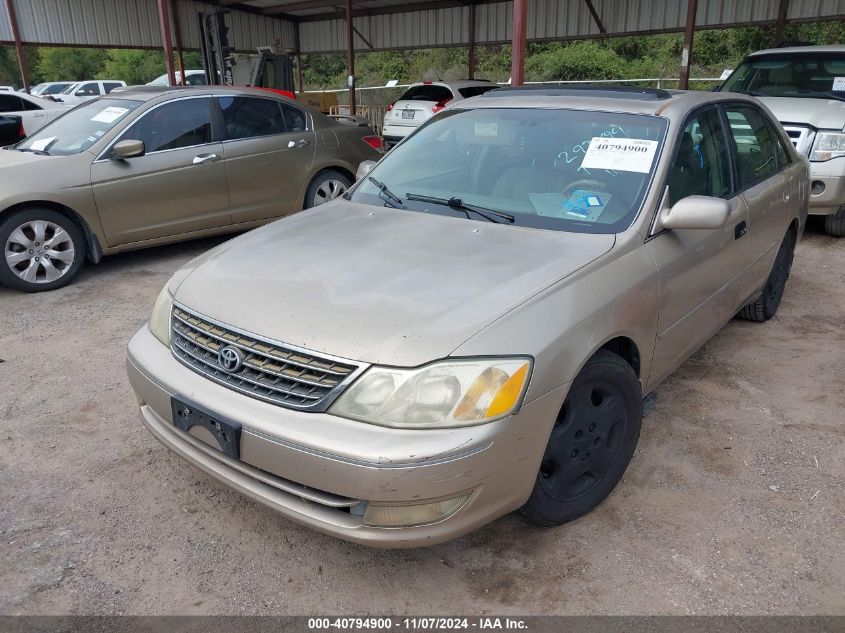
<point>150,165</point>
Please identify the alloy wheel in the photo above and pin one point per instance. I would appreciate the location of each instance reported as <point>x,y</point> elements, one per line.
<point>39,251</point>
<point>329,190</point>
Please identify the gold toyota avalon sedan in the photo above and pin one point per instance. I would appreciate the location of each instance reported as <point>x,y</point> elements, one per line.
<point>471,329</point>
<point>149,165</point>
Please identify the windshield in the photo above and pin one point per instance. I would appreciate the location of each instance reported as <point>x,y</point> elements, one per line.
<point>80,128</point>
<point>70,89</point>
<point>780,75</point>
<point>567,170</point>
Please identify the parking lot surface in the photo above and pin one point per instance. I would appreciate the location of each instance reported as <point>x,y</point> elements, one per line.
<point>734,501</point>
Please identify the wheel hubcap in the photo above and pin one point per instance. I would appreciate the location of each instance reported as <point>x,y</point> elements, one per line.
<point>329,190</point>
<point>585,441</point>
<point>39,251</point>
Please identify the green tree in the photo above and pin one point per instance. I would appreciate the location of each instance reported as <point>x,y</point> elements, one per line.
<point>134,66</point>
<point>70,64</point>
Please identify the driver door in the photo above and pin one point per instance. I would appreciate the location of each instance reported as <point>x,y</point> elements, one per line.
<point>177,187</point>
<point>699,269</point>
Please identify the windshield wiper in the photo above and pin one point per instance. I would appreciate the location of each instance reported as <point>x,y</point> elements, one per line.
<point>816,94</point>
<point>387,195</point>
<point>40,152</point>
<point>459,205</point>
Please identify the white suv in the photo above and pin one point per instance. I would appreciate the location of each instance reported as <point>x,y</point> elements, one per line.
<point>804,86</point>
<point>87,90</point>
<point>423,100</point>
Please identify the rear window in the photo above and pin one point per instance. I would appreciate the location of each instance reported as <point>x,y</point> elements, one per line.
<point>427,93</point>
<point>474,91</point>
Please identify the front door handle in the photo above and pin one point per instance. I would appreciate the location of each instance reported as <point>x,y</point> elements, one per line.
<point>205,158</point>
<point>300,143</point>
<point>740,229</point>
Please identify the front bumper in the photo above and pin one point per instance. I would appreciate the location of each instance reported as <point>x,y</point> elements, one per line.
<point>831,176</point>
<point>312,467</point>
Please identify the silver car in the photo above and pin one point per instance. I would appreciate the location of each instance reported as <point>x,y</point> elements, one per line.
<point>471,329</point>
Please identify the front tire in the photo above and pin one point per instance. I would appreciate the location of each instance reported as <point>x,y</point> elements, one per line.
<point>591,444</point>
<point>328,185</point>
<point>42,250</point>
<point>835,224</point>
<point>766,305</point>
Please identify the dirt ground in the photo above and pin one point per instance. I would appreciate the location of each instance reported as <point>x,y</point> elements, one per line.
<point>733,503</point>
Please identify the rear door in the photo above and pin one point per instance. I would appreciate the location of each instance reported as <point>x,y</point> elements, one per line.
<point>416,105</point>
<point>268,151</point>
<point>178,186</point>
<point>699,269</point>
<point>765,185</point>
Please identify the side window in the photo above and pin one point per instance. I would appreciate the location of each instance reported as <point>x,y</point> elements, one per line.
<point>248,117</point>
<point>10,103</point>
<point>182,123</point>
<point>756,146</point>
<point>91,89</point>
<point>295,119</point>
<point>780,148</point>
<point>30,105</point>
<point>701,166</point>
<point>108,86</point>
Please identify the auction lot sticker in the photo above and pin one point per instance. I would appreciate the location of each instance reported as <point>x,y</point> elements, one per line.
<point>620,154</point>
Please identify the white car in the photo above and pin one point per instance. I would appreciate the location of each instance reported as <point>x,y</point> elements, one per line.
<point>90,89</point>
<point>50,88</point>
<point>423,100</point>
<point>192,78</point>
<point>33,112</point>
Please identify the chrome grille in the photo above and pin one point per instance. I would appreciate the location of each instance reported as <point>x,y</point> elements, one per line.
<point>801,137</point>
<point>270,371</point>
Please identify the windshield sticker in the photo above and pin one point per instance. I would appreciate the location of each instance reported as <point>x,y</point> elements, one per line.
<point>618,154</point>
<point>41,144</point>
<point>110,114</point>
<point>486,128</point>
<point>579,205</point>
<point>839,84</point>
<point>585,205</point>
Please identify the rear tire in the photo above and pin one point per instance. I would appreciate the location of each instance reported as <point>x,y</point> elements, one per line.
<point>327,185</point>
<point>42,250</point>
<point>591,443</point>
<point>766,305</point>
<point>835,224</point>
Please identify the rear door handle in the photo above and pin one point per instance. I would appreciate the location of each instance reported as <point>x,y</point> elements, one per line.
<point>300,143</point>
<point>740,229</point>
<point>205,158</point>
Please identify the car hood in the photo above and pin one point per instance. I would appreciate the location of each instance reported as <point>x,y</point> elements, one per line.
<point>823,114</point>
<point>375,284</point>
<point>30,176</point>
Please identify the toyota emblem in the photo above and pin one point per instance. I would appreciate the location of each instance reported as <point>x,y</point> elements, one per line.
<point>230,359</point>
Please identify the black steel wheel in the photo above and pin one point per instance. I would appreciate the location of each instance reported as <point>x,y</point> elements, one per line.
<point>766,305</point>
<point>591,443</point>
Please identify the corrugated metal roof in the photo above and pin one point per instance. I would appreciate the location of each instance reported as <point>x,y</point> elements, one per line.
<point>548,20</point>
<point>132,23</point>
<point>385,24</point>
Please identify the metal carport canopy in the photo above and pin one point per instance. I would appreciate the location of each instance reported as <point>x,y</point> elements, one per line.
<point>323,26</point>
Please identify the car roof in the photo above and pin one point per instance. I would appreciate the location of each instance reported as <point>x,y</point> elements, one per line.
<point>630,100</point>
<point>461,83</point>
<point>148,93</point>
<point>789,50</point>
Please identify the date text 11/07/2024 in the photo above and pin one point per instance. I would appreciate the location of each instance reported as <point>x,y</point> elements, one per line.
<point>417,623</point>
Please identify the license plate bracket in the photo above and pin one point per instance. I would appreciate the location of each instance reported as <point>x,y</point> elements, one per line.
<point>408,114</point>
<point>227,433</point>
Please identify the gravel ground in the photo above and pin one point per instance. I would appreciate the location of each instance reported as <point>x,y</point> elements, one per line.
<point>734,501</point>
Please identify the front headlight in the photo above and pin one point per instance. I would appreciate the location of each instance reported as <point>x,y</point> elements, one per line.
<point>447,393</point>
<point>160,318</point>
<point>828,145</point>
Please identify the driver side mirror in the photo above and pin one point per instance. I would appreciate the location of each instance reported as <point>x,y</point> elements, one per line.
<point>364,168</point>
<point>129,148</point>
<point>696,212</point>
